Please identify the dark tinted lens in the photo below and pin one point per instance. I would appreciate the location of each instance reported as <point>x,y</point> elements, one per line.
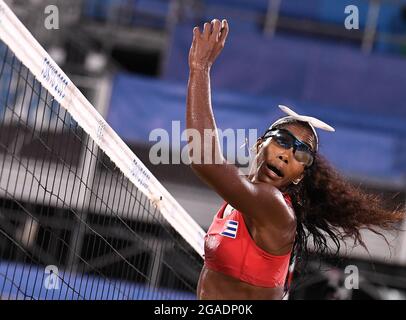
<point>302,152</point>
<point>304,157</point>
<point>284,140</point>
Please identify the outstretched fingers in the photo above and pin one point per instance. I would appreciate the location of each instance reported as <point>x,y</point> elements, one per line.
<point>206,30</point>
<point>224,31</point>
<point>196,32</point>
<point>215,35</point>
<point>216,30</point>
<point>196,36</point>
<point>207,44</point>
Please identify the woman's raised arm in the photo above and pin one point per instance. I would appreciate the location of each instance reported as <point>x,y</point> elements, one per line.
<point>254,199</point>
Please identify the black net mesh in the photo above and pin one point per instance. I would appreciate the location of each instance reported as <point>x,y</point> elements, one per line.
<point>72,226</point>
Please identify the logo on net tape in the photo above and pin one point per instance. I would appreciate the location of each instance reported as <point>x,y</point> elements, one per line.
<point>2,12</point>
<point>54,78</point>
<point>101,126</point>
<point>231,229</point>
<point>141,174</point>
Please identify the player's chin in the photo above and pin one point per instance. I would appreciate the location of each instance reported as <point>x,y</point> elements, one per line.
<point>263,177</point>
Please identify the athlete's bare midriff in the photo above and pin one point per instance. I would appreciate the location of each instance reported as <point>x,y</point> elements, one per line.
<point>214,285</point>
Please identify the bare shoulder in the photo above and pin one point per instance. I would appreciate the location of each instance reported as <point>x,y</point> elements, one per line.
<point>272,209</point>
<point>272,239</point>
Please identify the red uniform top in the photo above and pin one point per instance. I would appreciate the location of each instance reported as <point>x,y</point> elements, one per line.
<point>229,249</point>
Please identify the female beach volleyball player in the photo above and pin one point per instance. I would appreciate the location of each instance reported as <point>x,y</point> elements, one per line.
<point>268,216</point>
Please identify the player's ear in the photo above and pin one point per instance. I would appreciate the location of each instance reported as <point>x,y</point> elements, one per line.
<point>298,179</point>
<point>257,147</point>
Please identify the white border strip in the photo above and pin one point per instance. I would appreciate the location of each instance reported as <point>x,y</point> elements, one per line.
<point>45,70</point>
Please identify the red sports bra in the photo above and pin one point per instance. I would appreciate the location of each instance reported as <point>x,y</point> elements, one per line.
<point>229,249</point>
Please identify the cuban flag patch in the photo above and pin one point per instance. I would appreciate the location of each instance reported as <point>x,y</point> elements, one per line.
<point>230,229</point>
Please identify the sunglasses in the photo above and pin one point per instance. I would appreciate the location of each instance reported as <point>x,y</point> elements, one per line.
<point>302,151</point>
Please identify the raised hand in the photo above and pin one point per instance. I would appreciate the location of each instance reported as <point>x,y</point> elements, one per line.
<point>207,45</point>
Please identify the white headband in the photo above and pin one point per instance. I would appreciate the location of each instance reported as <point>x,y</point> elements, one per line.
<point>313,122</point>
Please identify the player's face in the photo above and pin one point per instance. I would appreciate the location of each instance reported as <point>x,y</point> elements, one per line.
<point>278,165</point>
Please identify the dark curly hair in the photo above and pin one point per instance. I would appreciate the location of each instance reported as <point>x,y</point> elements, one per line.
<point>329,207</point>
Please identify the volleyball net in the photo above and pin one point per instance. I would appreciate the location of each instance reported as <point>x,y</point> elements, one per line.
<point>81,217</point>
